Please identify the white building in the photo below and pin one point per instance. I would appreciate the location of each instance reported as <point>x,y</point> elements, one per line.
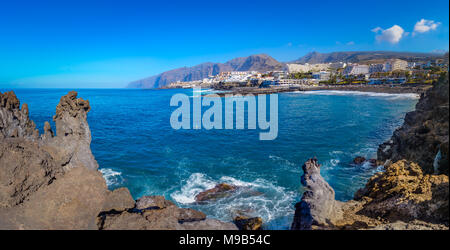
<point>337,65</point>
<point>396,64</point>
<point>322,75</point>
<point>356,69</point>
<point>303,68</point>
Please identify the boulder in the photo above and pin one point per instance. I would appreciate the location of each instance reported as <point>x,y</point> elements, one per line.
<point>189,215</point>
<point>245,223</point>
<point>219,191</point>
<point>359,160</point>
<point>373,162</point>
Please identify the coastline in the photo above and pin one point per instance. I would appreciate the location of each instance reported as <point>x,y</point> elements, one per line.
<point>116,209</point>
<point>412,193</point>
<point>387,89</point>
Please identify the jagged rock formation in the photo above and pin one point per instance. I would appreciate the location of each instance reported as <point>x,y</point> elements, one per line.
<point>404,192</point>
<point>219,191</point>
<point>423,138</point>
<point>407,195</point>
<point>260,63</point>
<point>317,205</point>
<point>402,197</point>
<point>50,181</point>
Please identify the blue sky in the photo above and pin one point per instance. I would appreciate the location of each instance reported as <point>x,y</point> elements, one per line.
<point>101,44</point>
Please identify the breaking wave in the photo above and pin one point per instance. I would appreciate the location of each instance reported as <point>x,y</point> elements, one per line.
<point>112,177</point>
<point>274,204</point>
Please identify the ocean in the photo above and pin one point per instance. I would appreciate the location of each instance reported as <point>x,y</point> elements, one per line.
<point>136,147</point>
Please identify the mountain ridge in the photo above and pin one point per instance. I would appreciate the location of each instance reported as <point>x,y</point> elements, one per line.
<point>360,56</point>
<point>264,62</point>
<point>259,62</point>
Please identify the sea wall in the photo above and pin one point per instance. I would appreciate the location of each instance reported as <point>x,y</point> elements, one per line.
<point>413,190</point>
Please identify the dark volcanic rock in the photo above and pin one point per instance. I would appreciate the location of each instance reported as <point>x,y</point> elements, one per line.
<point>317,206</point>
<point>359,160</point>
<point>14,122</point>
<point>424,133</point>
<point>245,223</point>
<point>373,162</point>
<point>167,216</point>
<point>219,191</point>
<point>400,197</point>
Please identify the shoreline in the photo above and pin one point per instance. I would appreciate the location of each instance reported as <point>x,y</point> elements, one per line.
<point>387,89</point>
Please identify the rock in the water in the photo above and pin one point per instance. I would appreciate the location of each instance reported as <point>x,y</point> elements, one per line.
<point>219,191</point>
<point>245,223</point>
<point>373,162</point>
<point>317,206</point>
<point>359,160</point>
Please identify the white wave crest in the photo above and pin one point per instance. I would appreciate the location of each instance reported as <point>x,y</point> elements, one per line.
<point>196,183</point>
<point>256,198</point>
<point>112,177</point>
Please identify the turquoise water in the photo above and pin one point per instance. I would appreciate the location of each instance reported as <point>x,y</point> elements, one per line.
<point>137,148</point>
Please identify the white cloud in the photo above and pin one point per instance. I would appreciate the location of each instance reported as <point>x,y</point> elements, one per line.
<point>392,35</point>
<point>424,25</point>
<point>351,43</point>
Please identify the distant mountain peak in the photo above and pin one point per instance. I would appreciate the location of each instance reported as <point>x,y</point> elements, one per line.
<point>258,62</point>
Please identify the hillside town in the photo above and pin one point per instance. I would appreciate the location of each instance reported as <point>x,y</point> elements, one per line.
<point>390,71</point>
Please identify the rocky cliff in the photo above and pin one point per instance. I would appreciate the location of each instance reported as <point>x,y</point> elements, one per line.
<point>411,193</point>
<point>259,63</point>
<point>423,138</point>
<point>50,181</point>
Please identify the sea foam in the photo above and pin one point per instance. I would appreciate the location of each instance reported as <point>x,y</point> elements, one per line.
<point>112,177</point>
<point>252,198</point>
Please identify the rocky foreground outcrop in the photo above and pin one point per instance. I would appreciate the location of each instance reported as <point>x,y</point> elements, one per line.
<point>50,181</point>
<point>401,197</point>
<point>411,193</point>
<point>317,205</point>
